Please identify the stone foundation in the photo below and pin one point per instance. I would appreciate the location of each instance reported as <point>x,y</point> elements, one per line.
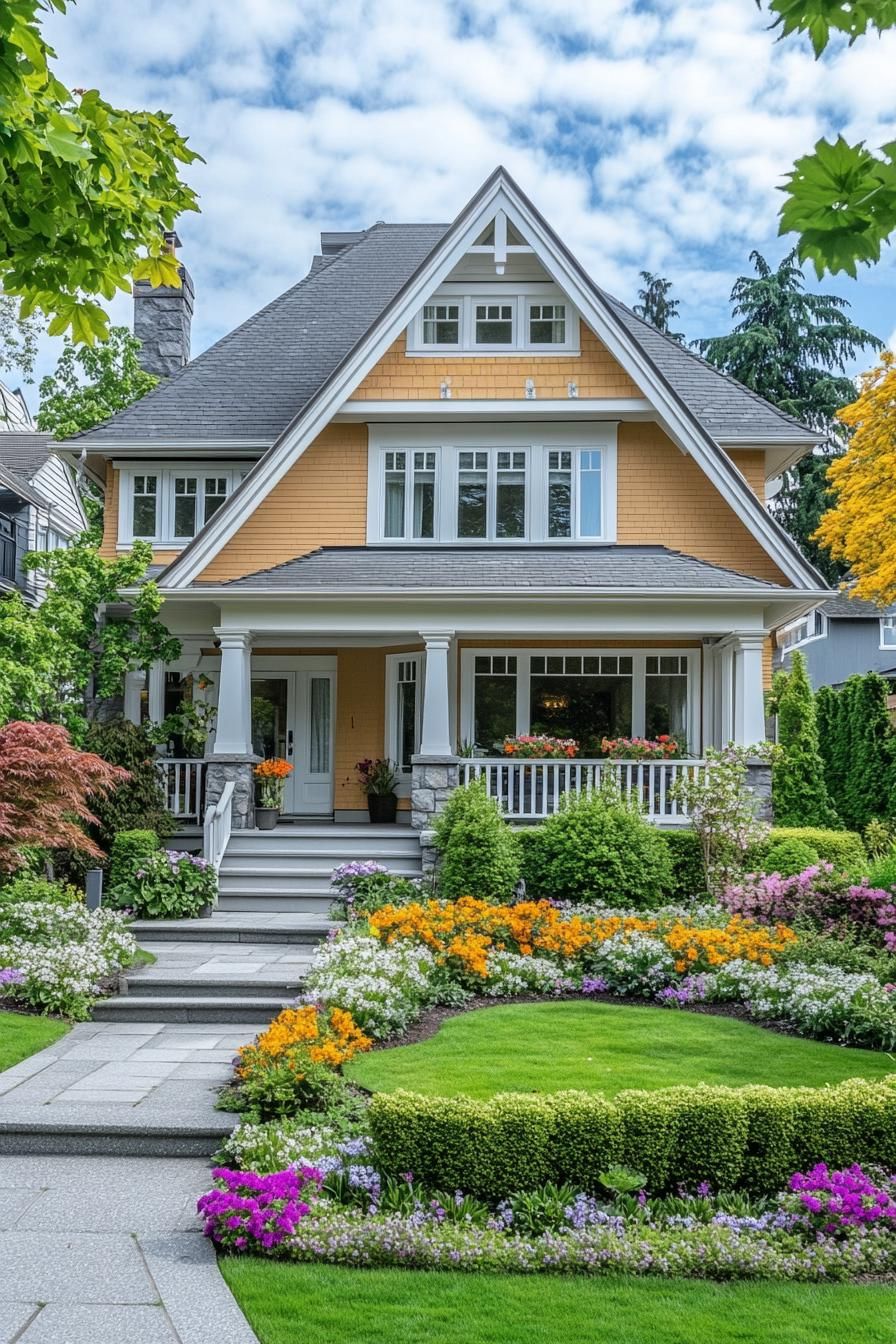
<point>759,782</point>
<point>433,778</point>
<point>220,769</point>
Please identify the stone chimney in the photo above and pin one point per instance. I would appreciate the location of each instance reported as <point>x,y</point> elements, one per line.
<point>162,318</point>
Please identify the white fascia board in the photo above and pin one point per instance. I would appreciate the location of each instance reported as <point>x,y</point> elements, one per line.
<point>573,408</point>
<point>140,447</point>
<point>678,422</point>
<point>804,600</point>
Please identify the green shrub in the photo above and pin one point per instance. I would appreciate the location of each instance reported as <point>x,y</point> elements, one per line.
<point>883,872</point>
<point>130,850</point>
<point>169,885</point>
<point>479,853</point>
<point>844,849</point>
<point>799,790</point>
<point>688,881</point>
<point>140,802</point>
<point>787,857</point>
<point>597,848</point>
<point>750,1138</point>
<point>31,887</point>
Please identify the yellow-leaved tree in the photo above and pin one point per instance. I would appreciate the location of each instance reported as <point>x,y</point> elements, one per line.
<point>860,527</point>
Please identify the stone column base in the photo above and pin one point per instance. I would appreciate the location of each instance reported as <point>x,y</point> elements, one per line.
<point>433,780</point>
<point>759,782</point>
<point>220,769</point>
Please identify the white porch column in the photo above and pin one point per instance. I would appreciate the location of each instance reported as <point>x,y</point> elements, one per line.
<point>725,699</point>
<point>233,736</point>
<point>134,681</point>
<point>156,692</point>
<point>435,737</point>
<point>749,701</point>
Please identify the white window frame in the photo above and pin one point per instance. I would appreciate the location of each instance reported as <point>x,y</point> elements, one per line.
<point>821,633</point>
<point>165,497</point>
<point>887,623</point>
<point>638,656</point>
<point>492,452</point>
<point>448,440</point>
<point>391,744</point>
<point>457,301</point>
<point>520,296</point>
<point>409,473</point>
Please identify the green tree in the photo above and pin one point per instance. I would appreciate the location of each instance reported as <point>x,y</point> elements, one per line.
<point>793,347</point>
<point>58,661</point>
<point>86,189</point>
<point>841,200</point>
<point>657,306</point>
<point>828,718</point>
<point>868,792</point>
<point>799,792</point>
<point>18,338</point>
<point>91,383</point>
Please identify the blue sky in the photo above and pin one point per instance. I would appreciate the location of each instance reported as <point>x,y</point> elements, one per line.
<point>652,135</point>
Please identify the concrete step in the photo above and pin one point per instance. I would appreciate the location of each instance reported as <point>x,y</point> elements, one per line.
<point>172,985</point>
<point>302,863</point>
<point>193,1008</point>
<point>335,847</point>
<point>246,896</point>
<point>233,927</point>
<point>297,877</point>
<point>110,1138</point>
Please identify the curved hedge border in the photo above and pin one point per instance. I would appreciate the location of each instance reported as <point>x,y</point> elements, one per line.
<point>750,1138</point>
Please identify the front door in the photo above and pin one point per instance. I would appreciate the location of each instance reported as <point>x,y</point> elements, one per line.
<point>292,717</point>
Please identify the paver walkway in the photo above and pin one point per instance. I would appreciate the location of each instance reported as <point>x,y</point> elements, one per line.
<point>106,1250</point>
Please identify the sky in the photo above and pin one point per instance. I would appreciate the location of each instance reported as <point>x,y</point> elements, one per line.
<point>651,133</point>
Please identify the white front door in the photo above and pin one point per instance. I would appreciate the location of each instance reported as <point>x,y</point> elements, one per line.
<point>292,717</point>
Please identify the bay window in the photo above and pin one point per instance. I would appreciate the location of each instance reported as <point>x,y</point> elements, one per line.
<point>169,505</point>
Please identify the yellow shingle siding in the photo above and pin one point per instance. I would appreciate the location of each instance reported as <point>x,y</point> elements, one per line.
<point>398,377</point>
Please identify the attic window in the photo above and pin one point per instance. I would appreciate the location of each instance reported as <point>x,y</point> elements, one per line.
<point>494,324</point>
<point>547,323</point>
<point>441,324</point>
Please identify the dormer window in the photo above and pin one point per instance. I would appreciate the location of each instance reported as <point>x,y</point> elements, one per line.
<point>168,506</point>
<point>482,318</point>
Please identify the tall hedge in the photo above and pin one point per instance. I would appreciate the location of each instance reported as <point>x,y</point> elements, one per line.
<point>747,1138</point>
<point>858,749</point>
<point>799,792</point>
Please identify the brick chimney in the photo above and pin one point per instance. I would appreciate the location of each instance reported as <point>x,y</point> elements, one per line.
<point>162,318</point>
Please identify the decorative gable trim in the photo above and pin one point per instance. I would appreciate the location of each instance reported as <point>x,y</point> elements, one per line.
<point>498,193</point>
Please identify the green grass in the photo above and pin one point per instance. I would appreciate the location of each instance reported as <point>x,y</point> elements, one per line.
<point>22,1035</point>
<point>604,1047</point>
<point>325,1304</point>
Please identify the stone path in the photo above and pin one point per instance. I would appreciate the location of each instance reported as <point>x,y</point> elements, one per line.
<point>106,1250</point>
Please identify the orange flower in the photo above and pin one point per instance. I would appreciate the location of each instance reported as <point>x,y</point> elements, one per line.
<point>274,767</point>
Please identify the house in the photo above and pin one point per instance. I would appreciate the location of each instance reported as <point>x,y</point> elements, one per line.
<point>443,490</point>
<point>841,637</point>
<point>40,507</point>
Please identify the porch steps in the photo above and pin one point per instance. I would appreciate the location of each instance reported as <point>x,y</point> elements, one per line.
<point>288,869</point>
<point>193,1007</point>
<point>232,927</point>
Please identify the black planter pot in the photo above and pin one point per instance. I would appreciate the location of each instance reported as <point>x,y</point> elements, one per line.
<point>382,806</point>
<point>266,818</point>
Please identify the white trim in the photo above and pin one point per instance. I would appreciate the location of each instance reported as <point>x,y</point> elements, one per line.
<point>166,474</point>
<point>607,409</point>
<point>500,192</point>
<point>518,296</point>
<point>537,440</point>
<point>882,626</point>
<point>810,639</point>
<point>390,739</point>
<point>638,656</point>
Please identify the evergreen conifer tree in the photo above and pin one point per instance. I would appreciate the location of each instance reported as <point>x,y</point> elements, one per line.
<point>799,793</point>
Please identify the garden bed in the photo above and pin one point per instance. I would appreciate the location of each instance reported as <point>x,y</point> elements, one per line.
<point>602,1046</point>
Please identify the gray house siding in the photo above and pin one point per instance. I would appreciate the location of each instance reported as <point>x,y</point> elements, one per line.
<point>850,646</point>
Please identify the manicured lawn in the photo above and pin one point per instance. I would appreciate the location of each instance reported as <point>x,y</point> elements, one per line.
<point>325,1304</point>
<point>22,1035</point>
<point>602,1047</point>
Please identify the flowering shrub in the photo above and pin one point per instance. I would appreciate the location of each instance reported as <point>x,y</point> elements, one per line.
<point>384,987</point>
<point>833,1201</point>
<point>510,973</point>
<point>378,776</point>
<point>723,811</point>
<point>632,962</point>
<point>540,746</point>
<point>272,775</point>
<point>292,1064</point>
<point>300,1141</point>
<point>250,1212</point>
<point>819,894</point>
<point>60,952</point>
<point>639,748</point>
<point>169,884</point>
<point>365,885</point>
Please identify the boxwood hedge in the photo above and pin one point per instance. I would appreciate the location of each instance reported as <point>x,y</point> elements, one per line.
<point>749,1138</point>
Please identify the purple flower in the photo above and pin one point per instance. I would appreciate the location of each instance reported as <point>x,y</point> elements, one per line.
<point>11,975</point>
<point>595,984</point>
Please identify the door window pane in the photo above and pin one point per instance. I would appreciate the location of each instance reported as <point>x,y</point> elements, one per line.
<point>424,495</point>
<point>269,716</point>
<point>319,754</point>
<point>407,713</point>
<point>472,494</point>
<point>547,323</point>
<point>494,323</point>
<point>393,523</point>
<point>510,495</point>
<point>590,512</point>
<point>441,324</point>
<point>214,495</point>
<point>185,506</point>
<point>145,506</point>
<point>560,494</point>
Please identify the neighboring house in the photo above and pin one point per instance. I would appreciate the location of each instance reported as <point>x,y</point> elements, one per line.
<point>443,490</point>
<point>842,637</point>
<point>40,508</point>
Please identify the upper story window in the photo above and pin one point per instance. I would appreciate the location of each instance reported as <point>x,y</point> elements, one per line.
<point>168,505</point>
<point>527,318</point>
<point>812,626</point>
<point>888,632</point>
<point>492,484</point>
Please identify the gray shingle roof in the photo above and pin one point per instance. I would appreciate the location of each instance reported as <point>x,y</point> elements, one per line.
<point>844,607</point>
<point>255,380</point>
<point>25,454</point>
<point>518,568</point>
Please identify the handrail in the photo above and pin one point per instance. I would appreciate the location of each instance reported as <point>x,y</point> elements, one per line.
<point>217,826</point>
<point>183,780</point>
<point>530,789</point>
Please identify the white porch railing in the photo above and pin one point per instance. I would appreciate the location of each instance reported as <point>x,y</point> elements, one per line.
<point>217,826</point>
<point>530,790</point>
<point>184,784</point>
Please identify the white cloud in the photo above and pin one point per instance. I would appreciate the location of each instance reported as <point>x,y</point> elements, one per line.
<point>652,136</point>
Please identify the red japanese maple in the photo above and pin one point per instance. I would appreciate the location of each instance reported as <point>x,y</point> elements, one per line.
<point>45,787</point>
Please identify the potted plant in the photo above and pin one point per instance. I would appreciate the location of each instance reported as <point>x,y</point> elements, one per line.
<point>272,775</point>
<point>378,780</point>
